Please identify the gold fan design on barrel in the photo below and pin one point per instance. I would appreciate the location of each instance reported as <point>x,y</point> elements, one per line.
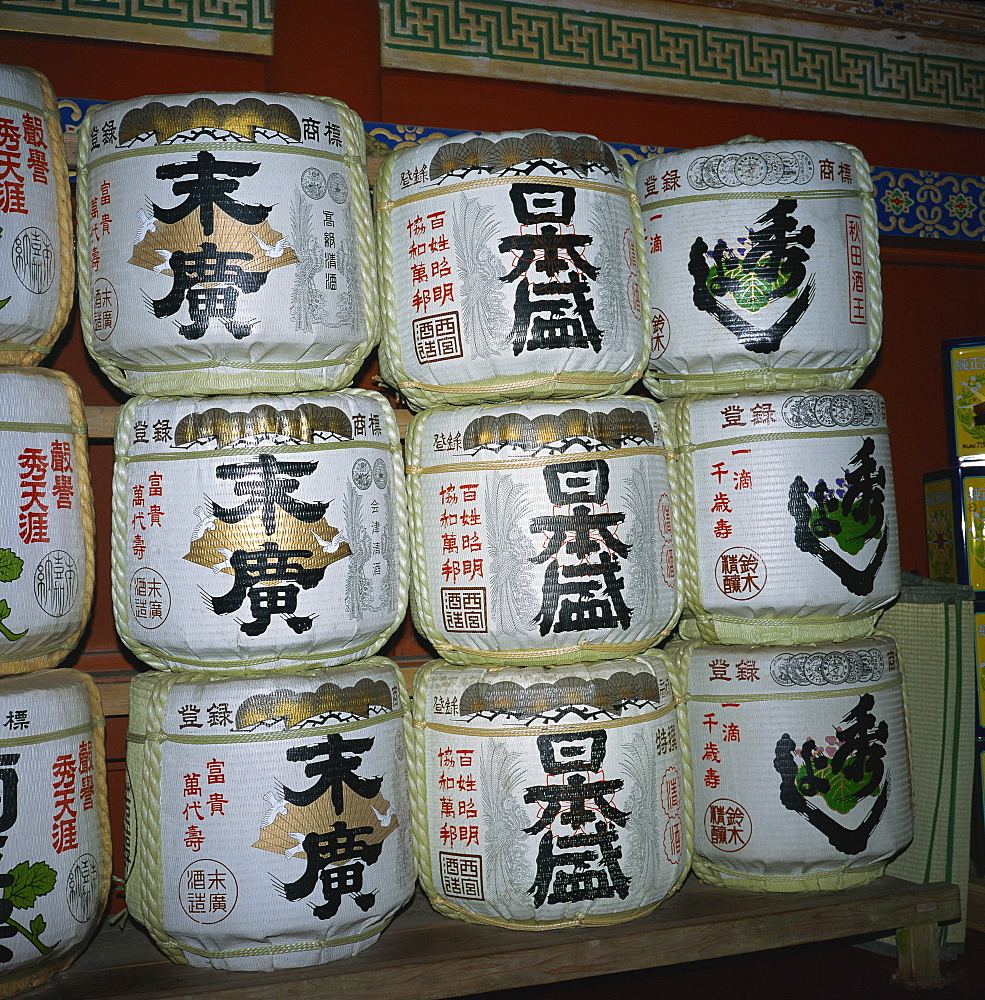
<point>291,823</point>
<point>218,541</point>
<point>243,118</point>
<point>267,248</point>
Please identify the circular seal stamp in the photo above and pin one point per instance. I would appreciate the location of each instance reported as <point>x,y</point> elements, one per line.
<point>740,573</point>
<point>104,309</point>
<point>751,169</point>
<point>659,333</point>
<point>709,173</point>
<point>380,475</point>
<point>805,167</point>
<point>790,168</point>
<point>774,167</point>
<point>362,474</point>
<point>338,190</point>
<point>727,825</point>
<point>82,888</point>
<point>695,173</point>
<point>57,583</point>
<point>208,891</point>
<point>314,183</point>
<point>34,260</point>
<point>780,669</point>
<point>150,598</point>
<point>726,170</point>
<point>837,667</point>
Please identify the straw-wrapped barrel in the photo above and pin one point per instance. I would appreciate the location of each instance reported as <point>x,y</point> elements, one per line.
<point>785,514</point>
<point>225,243</point>
<point>46,551</point>
<point>54,824</point>
<point>37,264</point>
<point>258,532</point>
<point>763,260</point>
<point>549,797</point>
<point>269,814</point>
<point>541,531</point>
<point>509,269</point>
<point>799,761</point>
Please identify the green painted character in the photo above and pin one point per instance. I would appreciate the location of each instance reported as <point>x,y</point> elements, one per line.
<point>11,567</point>
<point>21,886</point>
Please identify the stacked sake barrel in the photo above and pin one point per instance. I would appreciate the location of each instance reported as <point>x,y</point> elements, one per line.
<point>227,278</point>
<point>547,774</point>
<point>54,826</point>
<point>35,219</point>
<point>764,308</point>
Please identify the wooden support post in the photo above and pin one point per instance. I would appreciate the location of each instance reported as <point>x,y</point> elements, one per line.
<point>919,957</point>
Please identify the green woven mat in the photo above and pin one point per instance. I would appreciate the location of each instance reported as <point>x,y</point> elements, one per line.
<point>933,624</point>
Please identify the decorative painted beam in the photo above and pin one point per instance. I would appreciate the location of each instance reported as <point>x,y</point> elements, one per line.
<point>919,61</point>
<point>245,26</point>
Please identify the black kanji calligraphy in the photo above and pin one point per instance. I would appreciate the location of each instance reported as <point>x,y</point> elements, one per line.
<point>552,305</point>
<point>268,483</point>
<point>224,280</point>
<point>580,860</point>
<point>767,265</point>
<point>583,584</point>
<point>272,578</point>
<point>325,854</point>
<point>850,520</point>
<point>854,773</point>
<point>336,770</point>
<point>210,184</point>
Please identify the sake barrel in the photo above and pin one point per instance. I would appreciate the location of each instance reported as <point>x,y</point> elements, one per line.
<point>55,859</point>
<point>269,814</point>
<point>46,546</point>
<point>258,532</point>
<point>225,243</point>
<point>509,269</point>
<point>541,531</point>
<point>786,514</point>
<point>763,259</point>
<point>37,266</point>
<point>549,797</point>
<point>799,762</point>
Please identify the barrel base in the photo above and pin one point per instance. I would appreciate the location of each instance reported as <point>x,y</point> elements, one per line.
<point>710,627</point>
<point>669,385</point>
<point>35,975</point>
<point>267,960</point>
<point>840,878</point>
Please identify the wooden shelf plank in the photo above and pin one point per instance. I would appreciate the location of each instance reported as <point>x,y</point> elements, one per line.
<point>423,955</point>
